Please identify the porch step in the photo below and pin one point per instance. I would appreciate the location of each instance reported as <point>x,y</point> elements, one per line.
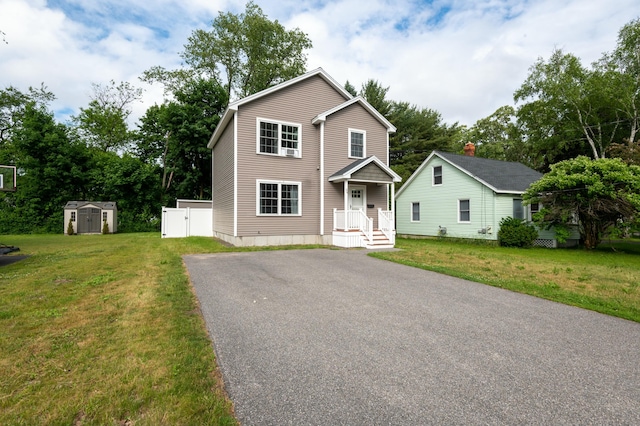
<point>380,241</point>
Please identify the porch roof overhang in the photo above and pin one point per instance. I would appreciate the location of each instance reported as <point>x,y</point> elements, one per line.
<point>350,173</point>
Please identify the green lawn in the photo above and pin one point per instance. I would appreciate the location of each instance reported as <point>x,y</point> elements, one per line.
<point>606,280</point>
<point>105,329</point>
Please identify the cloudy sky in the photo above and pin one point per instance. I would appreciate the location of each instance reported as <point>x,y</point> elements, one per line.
<point>462,58</point>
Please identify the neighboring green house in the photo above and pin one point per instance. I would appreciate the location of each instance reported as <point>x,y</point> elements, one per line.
<point>464,196</point>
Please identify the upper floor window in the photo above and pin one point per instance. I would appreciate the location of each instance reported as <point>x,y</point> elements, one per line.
<point>279,138</point>
<point>464,211</point>
<point>357,143</point>
<point>437,175</point>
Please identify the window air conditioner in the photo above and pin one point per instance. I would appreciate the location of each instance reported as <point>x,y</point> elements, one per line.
<point>291,152</point>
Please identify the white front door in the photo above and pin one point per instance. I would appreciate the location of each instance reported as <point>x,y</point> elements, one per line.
<point>358,197</point>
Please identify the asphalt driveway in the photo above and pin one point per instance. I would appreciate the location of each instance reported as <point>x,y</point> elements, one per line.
<point>334,337</point>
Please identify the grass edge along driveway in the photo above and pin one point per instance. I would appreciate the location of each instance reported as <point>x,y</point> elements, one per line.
<point>105,329</point>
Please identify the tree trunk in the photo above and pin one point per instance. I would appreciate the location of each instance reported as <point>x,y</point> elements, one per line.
<point>590,233</point>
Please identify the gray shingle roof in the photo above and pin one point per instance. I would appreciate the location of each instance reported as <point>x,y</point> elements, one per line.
<point>505,176</point>
<point>104,205</point>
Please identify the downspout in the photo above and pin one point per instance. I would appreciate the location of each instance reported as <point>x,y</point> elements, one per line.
<point>322,178</point>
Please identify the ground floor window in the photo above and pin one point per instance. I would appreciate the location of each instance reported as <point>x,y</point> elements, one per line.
<point>279,198</point>
<point>464,211</point>
<point>415,212</point>
<point>518,209</point>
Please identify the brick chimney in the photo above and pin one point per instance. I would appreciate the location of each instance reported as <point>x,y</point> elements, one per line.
<point>469,149</point>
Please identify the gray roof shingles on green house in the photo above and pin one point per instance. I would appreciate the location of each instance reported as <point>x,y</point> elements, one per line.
<point>503,176</point>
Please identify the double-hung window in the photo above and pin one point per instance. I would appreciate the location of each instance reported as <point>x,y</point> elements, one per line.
<point>533,209</point>
<point>415,212</point>
<point>279,138</point>
<point>518,209</point>
<point>464,211</point>
<point>437,175</point>
<point>279,198</point>
<point>357,143</point>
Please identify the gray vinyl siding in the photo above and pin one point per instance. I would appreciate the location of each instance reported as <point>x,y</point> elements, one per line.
<point>299,103</point>
<point>223,189</point>
<point>371,172</point>
<point>337,157</point>
<point>193,204</point>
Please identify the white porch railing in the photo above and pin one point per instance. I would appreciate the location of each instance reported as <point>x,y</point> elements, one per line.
<point>386,224</point>
<point>352,220</point>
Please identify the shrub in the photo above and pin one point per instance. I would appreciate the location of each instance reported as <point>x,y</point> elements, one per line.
<point>69,228</point>
<point>516,233</point>
<point>105,227</point>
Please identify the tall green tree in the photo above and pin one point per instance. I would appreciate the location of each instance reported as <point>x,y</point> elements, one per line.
<point>600,194</point>
<point>498,136</point>
<point>103,124</point>
<point>621,71</point>
<point>244,52</point>
<point>419,132</point>
<point>12,107</point>
<point>175,135</point>
<point>561,113</point>
<point>376,95</point>
<point>131,183</point>
<point>53,170</point>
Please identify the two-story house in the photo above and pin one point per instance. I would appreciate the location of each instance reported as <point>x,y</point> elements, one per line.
<point>303,162</point>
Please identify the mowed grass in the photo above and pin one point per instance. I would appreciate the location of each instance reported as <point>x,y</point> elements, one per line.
<point>606,280</point>
<point>104,329</point>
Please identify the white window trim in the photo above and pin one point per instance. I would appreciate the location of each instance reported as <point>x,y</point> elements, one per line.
<point>530,212</point>
<point>281,152</point>
<point>364,142</point>
<point>433,175</point>
<point>279,183</point>
<point>419,212</point>
<point>460,211</point>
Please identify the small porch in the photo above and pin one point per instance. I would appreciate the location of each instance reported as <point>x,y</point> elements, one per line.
<point>359,223</point>
<point>353,228</point>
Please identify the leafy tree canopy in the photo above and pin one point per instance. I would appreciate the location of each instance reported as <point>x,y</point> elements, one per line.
<point>12,107</point>
<point>103,124</point>
<point>599,194</point>
<point>245,53</point>
<point>175,135</point>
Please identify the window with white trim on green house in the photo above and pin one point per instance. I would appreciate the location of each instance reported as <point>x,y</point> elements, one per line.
<point>437,175</point>
<point>415,212</point>
<point>464,211</point>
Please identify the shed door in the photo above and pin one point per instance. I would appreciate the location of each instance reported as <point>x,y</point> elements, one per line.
<point>89,221</point>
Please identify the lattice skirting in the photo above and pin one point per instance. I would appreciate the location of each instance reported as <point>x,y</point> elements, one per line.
<point>545,242</point>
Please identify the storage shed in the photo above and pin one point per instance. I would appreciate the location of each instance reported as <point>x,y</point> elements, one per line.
<point>88,217</point>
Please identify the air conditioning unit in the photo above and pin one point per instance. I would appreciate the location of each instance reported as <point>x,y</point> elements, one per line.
<point>290,152</point>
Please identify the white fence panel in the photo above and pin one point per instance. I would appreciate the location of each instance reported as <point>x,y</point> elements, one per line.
<point>186,222</point>
<point>200,222</point>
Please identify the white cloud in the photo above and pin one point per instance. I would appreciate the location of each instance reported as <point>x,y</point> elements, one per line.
<point>464,63</point>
